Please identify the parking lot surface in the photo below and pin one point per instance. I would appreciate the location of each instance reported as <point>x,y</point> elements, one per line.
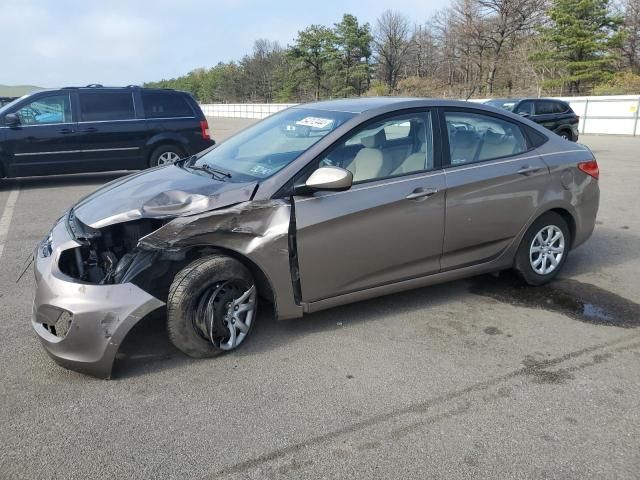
<point>470,379</point>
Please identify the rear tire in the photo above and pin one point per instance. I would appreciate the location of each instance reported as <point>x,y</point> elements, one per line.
<point>543,250</point>
<point>566,134</point>
<point>165,154</point>
<point>212,306</point>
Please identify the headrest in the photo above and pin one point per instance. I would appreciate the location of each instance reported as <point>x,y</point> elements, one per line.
<point>374,141</point>
<point>465,138</point>
<point>493,138</point>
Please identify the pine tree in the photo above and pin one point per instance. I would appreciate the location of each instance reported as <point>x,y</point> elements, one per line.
<point>581,34</point>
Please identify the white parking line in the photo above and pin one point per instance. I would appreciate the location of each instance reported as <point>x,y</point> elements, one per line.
<point>7,214</point>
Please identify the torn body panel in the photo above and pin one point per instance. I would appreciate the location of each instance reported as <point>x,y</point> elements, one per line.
<point>257,231</point>
<point>81,325</point>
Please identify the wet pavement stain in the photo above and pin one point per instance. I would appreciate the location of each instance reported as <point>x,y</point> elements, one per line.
<point>577,300</point>
<point>492,331</point>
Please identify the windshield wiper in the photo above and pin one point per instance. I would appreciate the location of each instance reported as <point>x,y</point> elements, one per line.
<point>214,172</point>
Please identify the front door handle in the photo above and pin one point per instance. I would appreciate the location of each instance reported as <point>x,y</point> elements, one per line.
<point>421,193</point>
<point>528,170</point>
<point>65,131</point>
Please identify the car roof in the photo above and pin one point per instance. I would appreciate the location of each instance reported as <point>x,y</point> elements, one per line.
<point>365,104</point>
<point>98,88</point>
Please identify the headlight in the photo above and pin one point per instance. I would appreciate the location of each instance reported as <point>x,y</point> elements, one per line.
<point>45,246</point>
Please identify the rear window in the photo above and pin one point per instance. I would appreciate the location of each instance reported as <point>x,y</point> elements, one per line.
<point>106,106</point>
<point>545,108</point>
<point>165,105</point>
<point>559,107</point>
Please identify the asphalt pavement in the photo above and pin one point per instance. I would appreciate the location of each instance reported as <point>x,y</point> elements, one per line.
<point>470,379</point>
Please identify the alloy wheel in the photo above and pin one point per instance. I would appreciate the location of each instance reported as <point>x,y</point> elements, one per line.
<point>168,157</point>
<point>225,313</point>
<point>547,249</point>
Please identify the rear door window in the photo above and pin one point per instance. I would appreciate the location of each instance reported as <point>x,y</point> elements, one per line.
<point>525,107</point>
<point>545,108</point>
<point>103,106</point>
<point>559,107</point>
<point>165,105</point>
<point>475,137</point>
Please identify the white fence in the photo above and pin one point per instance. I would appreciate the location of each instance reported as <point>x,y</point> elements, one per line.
<point>243,110</point>
<point>614,114</point>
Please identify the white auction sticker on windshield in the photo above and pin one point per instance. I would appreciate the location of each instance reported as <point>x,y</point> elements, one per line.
<point>314,122</point>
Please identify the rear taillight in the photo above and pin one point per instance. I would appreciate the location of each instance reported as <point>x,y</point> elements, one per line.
<point>204,128</point>
<point>590,168</point>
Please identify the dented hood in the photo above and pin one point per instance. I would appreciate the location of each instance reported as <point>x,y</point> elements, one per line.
<point>162,192</point>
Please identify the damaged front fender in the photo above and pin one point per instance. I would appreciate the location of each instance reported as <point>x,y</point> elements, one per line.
<point>258,231</point>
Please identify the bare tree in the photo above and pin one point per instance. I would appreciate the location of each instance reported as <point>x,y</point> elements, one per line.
<point>631,29</point>
<point>506,19</point>
<point>391,45</point>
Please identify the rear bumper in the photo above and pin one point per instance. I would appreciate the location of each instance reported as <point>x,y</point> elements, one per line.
<point>587,211</point>
<point>82,325</point>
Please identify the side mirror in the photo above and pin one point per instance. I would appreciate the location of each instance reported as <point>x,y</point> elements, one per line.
<point>327,178</point>
<point>11,120</point>
<point>523,114</point>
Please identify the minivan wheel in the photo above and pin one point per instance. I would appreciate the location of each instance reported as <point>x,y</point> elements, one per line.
<point>212,306</point>
<point>543,249</point>
<point>165,154</point>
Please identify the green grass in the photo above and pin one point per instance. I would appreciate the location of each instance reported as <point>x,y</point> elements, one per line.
<point>17,90</point>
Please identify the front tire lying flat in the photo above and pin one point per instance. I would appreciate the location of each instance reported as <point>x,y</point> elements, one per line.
<point>212,306</point>
<point>543,249</point>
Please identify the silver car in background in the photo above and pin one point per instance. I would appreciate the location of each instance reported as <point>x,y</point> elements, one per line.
<point>317,206</point>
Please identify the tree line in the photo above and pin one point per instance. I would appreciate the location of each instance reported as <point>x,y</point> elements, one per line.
<point>473,48</point>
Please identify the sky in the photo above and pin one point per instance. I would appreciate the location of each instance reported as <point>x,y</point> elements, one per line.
<point>55,43</point>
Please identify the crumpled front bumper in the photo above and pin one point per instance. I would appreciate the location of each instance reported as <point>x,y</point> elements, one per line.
<point>96,318</point>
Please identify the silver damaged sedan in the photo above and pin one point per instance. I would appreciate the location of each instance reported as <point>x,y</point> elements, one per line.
<point>317,206</point>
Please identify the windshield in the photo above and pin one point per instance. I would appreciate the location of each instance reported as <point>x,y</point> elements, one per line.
<point>506,104</point>
<point>270,145</point>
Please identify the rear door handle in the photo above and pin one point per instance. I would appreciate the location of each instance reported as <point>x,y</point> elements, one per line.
<point>90,130</point>
<point>421,193</point>
<point>528,170</point>
<point>65,131</point>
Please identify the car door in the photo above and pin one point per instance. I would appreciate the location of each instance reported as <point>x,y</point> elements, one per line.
<point>111,135</point>
<point>387,227</point>
<point>495,183</point>
<point>45,142</point>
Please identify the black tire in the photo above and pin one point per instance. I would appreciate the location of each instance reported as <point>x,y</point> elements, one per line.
<point>154,158</point>
<point>522,263</point>
<point>566,134</point>
<point>186,294</point>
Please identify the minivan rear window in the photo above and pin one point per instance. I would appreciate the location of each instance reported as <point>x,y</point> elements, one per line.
<point>106,106</point>
<point>165,105</point>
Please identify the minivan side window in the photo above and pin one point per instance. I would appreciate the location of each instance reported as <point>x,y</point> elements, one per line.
<point>95,107</point>
<point>474,137</point>
<point>46,110</point>
<point>165,105</point>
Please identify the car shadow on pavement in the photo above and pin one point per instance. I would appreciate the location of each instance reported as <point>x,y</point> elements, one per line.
<point>54,181</point>
<point>147,348</point>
